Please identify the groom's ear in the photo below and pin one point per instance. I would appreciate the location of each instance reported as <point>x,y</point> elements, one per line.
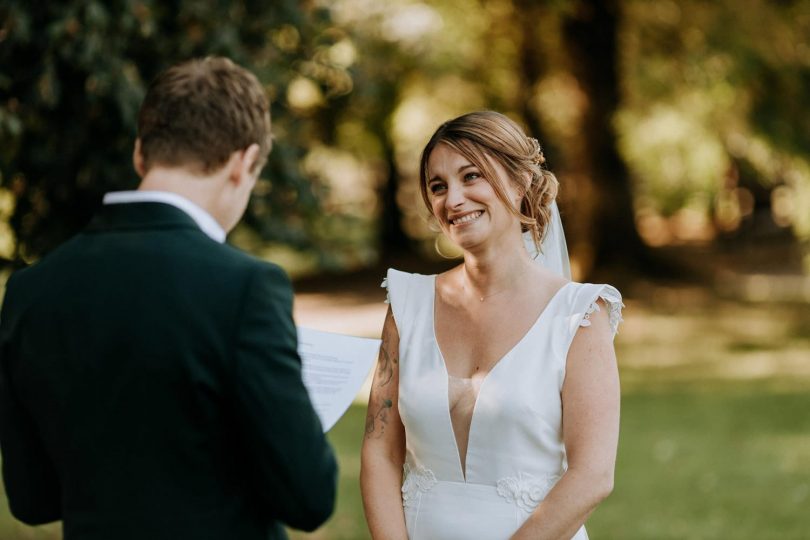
<point>137,159</point>
<point>244,163</point>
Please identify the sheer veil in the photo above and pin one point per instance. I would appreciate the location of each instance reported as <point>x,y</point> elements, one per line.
<point>553,250</point>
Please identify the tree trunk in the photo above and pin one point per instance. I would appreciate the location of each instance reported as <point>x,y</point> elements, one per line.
<point>393,240</point>
<point>590,37</point>
<point>532,65</point>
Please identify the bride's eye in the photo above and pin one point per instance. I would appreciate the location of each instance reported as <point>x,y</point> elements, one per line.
<point>436,187</point>
<point>470,176</point>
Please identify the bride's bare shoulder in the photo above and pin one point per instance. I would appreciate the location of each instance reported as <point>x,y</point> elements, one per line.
<point>545,280</point>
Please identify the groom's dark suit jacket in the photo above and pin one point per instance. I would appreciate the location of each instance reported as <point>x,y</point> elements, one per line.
<point>150,389</point>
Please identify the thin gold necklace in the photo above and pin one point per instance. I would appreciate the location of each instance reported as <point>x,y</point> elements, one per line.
<point>484,297</point>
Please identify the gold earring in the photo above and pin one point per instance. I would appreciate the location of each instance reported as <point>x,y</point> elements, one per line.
<point>437,247</point>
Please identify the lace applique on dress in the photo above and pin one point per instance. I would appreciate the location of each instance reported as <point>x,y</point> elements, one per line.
<point>615,306</point>
<point>384,285</point>
<point>525,490</point>
<point>417,480</point>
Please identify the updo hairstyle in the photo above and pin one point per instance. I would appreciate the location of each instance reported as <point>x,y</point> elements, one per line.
<point>487,134</point>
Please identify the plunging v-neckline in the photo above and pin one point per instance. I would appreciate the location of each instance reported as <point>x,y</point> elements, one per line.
<point>507,354</point>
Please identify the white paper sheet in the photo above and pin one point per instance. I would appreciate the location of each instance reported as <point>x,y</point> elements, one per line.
<point>334,368</point>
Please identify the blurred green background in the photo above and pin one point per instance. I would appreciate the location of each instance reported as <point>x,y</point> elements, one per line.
<point>679,131</point>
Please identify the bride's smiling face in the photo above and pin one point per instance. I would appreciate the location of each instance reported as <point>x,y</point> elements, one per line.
<point>465,204</point>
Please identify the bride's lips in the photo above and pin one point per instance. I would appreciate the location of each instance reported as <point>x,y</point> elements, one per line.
<point>463,219</point>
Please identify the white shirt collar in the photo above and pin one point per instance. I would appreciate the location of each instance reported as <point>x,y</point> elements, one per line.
<point>207,224</point>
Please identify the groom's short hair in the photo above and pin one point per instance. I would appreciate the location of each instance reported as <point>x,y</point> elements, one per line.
<point>196,113</point>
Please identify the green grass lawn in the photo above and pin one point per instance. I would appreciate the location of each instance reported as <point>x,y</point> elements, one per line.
<point>715,437</point>
<point>691,465</point>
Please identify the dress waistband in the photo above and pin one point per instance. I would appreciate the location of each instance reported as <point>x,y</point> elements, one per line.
<point>524,490</point>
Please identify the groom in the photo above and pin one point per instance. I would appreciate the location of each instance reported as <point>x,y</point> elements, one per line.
<point>149,382</point>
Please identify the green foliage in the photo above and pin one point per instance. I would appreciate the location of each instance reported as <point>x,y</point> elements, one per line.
<point>715,91</point>
<point>676,156</point>
<point>711,91</point>
<point>74,74</point>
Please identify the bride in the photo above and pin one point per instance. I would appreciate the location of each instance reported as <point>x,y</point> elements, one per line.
<point>494,409</point>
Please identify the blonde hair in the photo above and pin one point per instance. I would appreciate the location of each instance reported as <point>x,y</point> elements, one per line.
<point>481,135</point>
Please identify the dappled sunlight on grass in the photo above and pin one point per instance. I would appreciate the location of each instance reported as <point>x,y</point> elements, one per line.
<point>719,464</point>
<point>345,313</point>
<point>714,340</point>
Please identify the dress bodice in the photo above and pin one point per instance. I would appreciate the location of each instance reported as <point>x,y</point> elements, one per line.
<point>515,444</point>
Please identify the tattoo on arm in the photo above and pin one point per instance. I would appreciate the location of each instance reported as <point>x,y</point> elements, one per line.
<point>382,399</point>
<point>387,361</point>
<point>379,414</point>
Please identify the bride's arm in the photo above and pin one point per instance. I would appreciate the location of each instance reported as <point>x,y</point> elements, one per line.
<point>590,399</point>
<point>383,452</point>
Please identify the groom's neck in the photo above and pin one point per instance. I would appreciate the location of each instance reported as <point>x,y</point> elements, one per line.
<point>203,190</point>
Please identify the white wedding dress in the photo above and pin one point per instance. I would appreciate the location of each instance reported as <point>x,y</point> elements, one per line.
<point>514,451</point>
